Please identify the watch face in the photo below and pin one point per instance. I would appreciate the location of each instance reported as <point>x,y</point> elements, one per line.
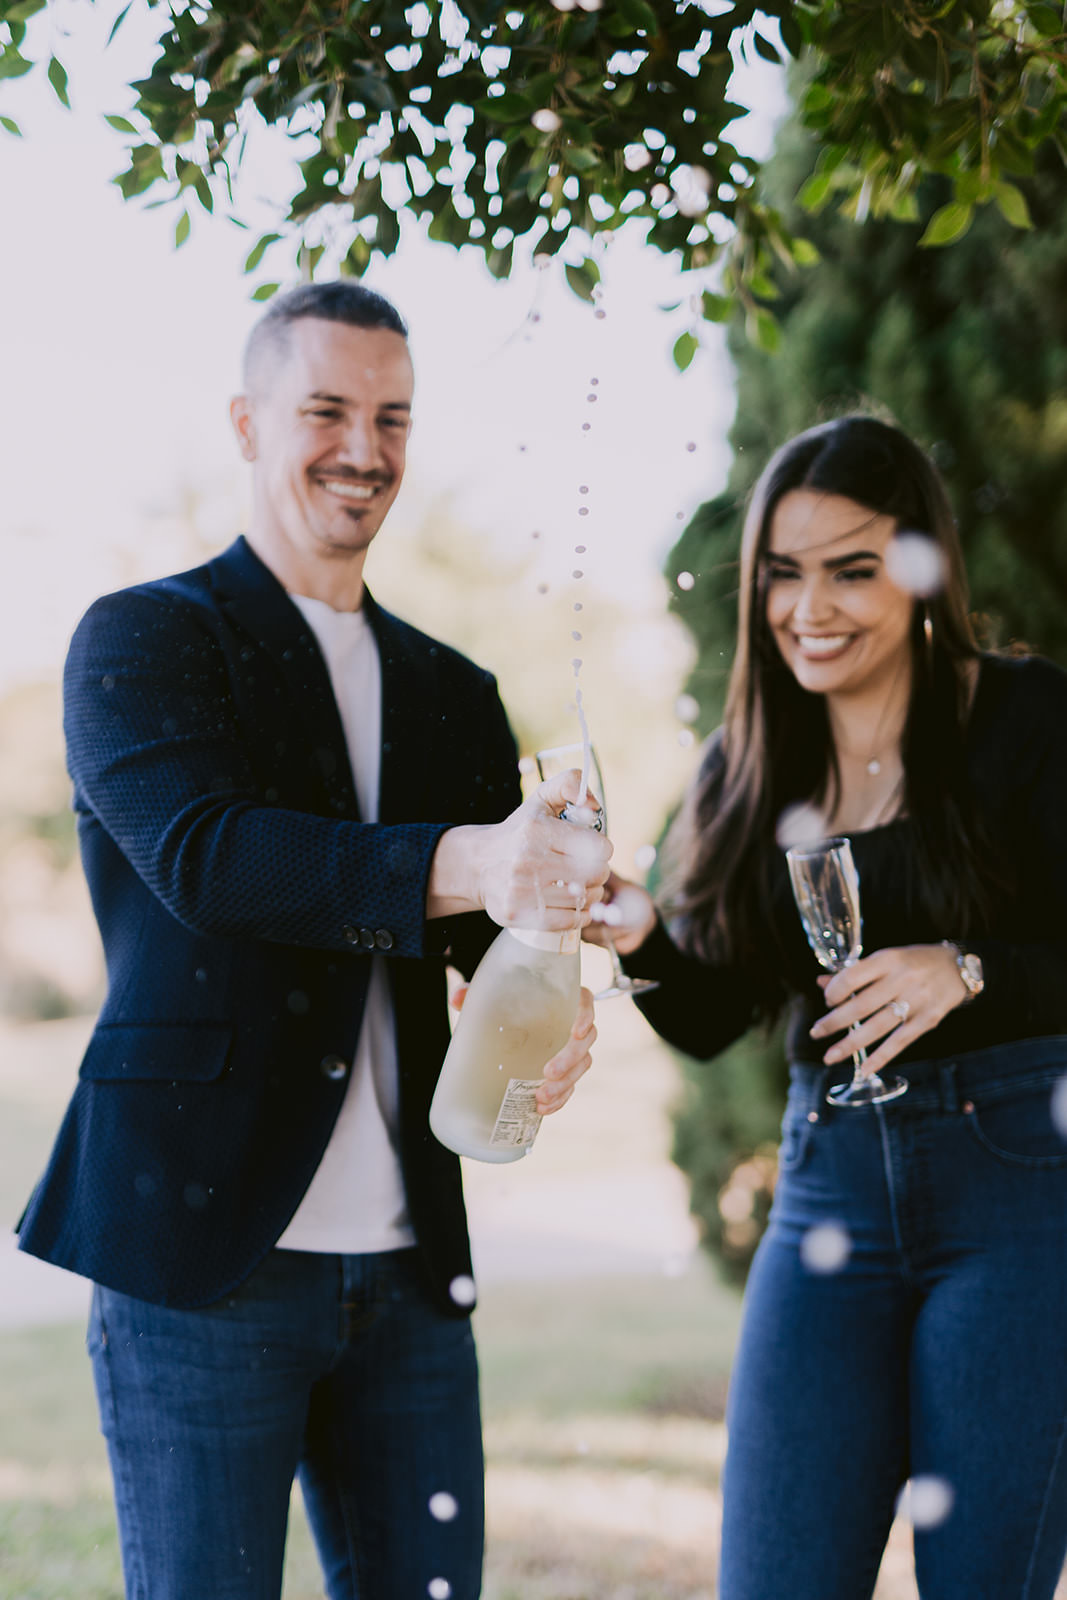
<point>971,973</point>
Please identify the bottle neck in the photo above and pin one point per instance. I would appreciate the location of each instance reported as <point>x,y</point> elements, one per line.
<point>562,944</point>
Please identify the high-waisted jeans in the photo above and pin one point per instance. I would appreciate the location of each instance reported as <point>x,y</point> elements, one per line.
<point>338,1367</point>
<point>920,1331</point>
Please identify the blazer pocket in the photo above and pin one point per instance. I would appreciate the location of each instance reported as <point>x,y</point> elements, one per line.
<point>148,1053</point>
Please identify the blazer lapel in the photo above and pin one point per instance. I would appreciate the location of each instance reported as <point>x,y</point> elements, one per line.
<point>251,597</point>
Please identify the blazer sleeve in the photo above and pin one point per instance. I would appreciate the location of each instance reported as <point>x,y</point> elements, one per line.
<point>160,762</point>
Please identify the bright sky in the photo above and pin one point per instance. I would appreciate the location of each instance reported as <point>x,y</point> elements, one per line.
<point>120,356</point>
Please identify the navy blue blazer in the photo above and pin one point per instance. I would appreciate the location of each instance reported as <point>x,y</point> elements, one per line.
<point>239,898</point>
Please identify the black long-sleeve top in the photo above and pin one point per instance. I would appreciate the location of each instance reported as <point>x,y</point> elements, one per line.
<point>1016,750</point>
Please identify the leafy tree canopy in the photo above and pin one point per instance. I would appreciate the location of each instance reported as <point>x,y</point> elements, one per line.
<point>551,124</point>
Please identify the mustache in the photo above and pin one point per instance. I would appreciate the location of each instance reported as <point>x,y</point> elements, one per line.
<point>370,480</point>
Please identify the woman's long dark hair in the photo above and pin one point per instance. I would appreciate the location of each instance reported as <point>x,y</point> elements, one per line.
<point>775,748</point>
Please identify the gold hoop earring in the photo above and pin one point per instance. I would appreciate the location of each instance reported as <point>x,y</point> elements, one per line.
<point>928,629</point>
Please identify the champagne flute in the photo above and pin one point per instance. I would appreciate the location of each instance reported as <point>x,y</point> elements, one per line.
<point>564,758</point>
<point>826,888</point>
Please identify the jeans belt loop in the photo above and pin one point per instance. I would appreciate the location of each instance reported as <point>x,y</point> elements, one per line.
<point>823,1107</point>
<point>950,1092</point>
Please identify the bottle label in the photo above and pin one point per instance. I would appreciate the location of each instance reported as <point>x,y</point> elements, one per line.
<point>518,1120</point>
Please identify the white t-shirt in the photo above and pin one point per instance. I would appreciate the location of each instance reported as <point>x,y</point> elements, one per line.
<point>356,1202</point>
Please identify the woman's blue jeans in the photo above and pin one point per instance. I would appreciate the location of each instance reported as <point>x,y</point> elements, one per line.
<point>937,1349</point>
<point>337,1367</point>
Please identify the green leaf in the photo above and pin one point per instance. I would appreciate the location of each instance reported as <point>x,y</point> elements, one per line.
<point>181,232</point>
<point>766,49</point>
<point>1047,19</point>
<point>949,223</point>
<point>640,14</point>
<point>21,11</point>
<point>579,158</point>
<point>716,307</point>
<point>121,124</point>
<point>584,278</point>
<point>763,329</point>
<point>259,250</point>
<point>685,348</point>
<point>57,77</point>
<point>265,291</point>
<point>804,253</point>
<point>11,125</point>
<point>505,107</point>
<point>1011,202</point>
<point>816,191</point>
<point>13,65</point>
<point>119,20</point>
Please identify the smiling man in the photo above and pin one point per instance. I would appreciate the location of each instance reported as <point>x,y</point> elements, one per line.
<point>293,810</point>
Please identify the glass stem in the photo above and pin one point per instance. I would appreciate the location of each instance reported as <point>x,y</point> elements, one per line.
<point>618,975</point>
<point>859,1054</point>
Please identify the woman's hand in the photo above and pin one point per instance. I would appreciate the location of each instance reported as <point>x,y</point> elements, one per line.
<point>570,1064</point>
<point>626,917</point>
<point>895,995</point>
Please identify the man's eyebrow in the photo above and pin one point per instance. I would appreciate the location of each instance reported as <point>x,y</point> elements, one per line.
<point>321,396</point>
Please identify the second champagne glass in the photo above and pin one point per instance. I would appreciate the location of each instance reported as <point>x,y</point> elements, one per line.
<point>564,758</point>
<point>826,888</point>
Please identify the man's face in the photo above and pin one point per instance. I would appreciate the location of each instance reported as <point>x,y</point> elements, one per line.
<point>326,427</point>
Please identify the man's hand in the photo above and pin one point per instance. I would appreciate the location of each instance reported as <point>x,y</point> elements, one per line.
<point>572,1062</point>
<point>531,870</point>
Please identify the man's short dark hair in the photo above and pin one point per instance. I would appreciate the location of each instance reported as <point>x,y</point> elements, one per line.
<point>339,301</point>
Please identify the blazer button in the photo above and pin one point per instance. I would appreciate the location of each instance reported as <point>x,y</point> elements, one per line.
<point>366,938</point>
<point>334,1067</point>
<point>351,934</point>
<point>384,939</point>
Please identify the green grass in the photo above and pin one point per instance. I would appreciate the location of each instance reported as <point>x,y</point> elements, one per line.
<point>576,1378</point>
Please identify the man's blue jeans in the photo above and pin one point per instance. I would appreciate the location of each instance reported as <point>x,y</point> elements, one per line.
<point>938,1349</point>
<point>337,1367</point>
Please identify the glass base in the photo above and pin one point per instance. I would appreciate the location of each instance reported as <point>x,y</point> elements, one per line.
<point>627,986</point>
<point>869,1091</point>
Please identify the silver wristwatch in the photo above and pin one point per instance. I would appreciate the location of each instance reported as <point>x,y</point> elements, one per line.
<point>969,967</point>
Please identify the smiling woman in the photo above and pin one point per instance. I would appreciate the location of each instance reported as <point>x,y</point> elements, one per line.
<point>859,705</point>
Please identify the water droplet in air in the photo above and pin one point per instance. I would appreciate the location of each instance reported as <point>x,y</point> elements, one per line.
<point>686,737</point>
<point>690,446</point>
<point>546,120</point>
<point>685,580</point>
<point>644,856</point>
<point>594,382</point>
<point>462,1291</point>
<point>576,663</point>
<point>107,681</point>
<point>916,564</point>
<point>440,1588</point>
<point>536,534</point>
<point>577,606</point>
<point>587,425</point>
<point>577,573</point>
<point>591,398</point>
<point>1059,1107</point>
<point>600,315</point>
<point>576,637</point>
<point>687,708</point>
<point>443,1506</point>
<point>798,826</point>
<point>583,488</point>
<point>542,588</point>
<point>583,511</point>
<point>579,549</point>
<point>926,1501</point>
<point>825,1248</point>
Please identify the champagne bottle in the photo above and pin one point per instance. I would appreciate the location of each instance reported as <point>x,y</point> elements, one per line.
<point>518,1013</point>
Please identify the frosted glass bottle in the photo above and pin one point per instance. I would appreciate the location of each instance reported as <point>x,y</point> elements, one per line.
<point>518,1013</point>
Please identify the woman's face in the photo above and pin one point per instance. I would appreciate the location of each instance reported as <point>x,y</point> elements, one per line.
<point>839,621</point>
